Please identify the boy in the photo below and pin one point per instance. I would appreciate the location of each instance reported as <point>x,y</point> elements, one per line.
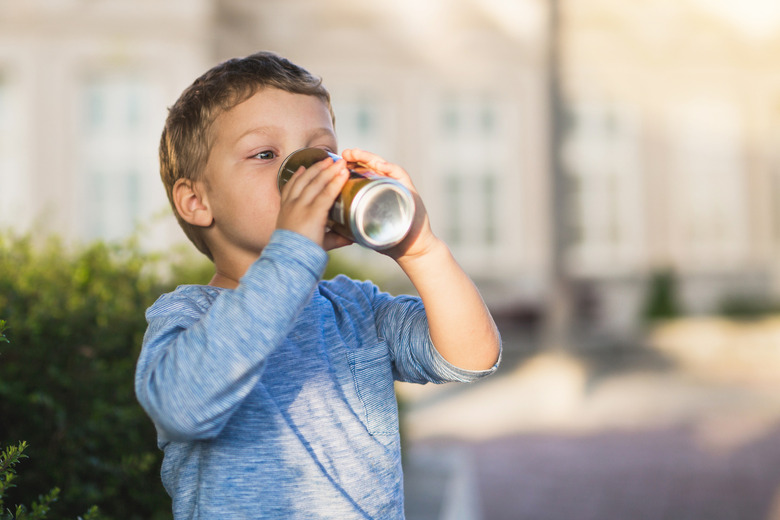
<point>272,391</point>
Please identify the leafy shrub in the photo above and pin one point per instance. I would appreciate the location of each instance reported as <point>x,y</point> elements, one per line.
<point>66,378</point>
<point>662,299</point>
<point>746,307</point>
<point>9,458</point>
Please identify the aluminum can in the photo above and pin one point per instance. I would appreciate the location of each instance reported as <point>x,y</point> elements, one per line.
<point>372,210</point>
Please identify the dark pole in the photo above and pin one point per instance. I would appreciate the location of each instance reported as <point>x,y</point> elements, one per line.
<point>558,315</point>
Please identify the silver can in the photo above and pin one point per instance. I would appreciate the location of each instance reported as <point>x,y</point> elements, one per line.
<point>372,210</point>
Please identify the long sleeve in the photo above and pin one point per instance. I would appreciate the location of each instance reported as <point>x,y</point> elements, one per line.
<point>401,322</point>
<point>201,359</point>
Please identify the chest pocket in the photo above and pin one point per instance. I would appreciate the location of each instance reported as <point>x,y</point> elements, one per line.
<point>373,378</point>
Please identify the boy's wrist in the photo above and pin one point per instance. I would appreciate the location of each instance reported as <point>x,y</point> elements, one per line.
<point>289,245</point>
<point>433,253</point>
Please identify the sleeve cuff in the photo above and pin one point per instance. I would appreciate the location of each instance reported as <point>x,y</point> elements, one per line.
<point>462,375</point>
<point>296,251</point>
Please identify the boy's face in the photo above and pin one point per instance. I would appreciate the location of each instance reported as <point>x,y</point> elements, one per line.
<point>250,142</point>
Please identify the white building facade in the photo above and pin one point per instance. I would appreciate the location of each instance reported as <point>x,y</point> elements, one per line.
<point>670,147</point>
<point>83,92</point>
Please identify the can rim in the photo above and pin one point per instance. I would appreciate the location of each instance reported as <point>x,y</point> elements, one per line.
<point>356,217</point>
<point>302,157</point>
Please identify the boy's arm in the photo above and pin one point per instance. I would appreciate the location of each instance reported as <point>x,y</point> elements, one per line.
<point>197,366</point>
<point>191,379</point>
<point>460,324</point>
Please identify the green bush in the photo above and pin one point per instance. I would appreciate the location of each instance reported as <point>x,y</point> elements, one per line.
<point>39,510</point>
<point>746,307</point>
<point>10,457</point>
<point>662,299</point>
<point>66,377</point>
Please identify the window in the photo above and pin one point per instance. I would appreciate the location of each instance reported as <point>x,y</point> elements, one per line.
<point>471,216</point>
<point>450,118</point>
<point>118,136</point>
<point>604,187</point>
<point>469,152</point>
<point>707,190</point>
<point>775,197</point>
<point>774,181</point>
<point>363,121</point>
<point>14,179</point>
<point>463,115</point>
<point>489,217</point>
<point>453,198</point>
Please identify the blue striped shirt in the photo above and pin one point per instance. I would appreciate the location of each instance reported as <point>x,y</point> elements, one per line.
<point>276,399</point>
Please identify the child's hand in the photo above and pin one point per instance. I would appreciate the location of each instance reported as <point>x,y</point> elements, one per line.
<point>420,238</point>
<point>306,199</point>
<point>460,324</point>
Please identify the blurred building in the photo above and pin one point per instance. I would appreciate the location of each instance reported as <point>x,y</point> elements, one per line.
<point>453,91</point>
<point>671,149</point>
<point>671,114</point>
<point>83,91</point>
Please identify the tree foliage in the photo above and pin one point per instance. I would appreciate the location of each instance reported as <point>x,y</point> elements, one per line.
<point>76,323</point>
<point>66,377</point>
<point>662,300</point>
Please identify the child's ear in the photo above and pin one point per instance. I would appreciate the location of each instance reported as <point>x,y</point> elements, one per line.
<point>191,203</point>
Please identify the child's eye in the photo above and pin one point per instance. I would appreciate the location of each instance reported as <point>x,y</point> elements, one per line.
<point>265,155</point>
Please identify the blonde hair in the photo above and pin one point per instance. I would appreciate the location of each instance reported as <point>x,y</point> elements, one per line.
<point>186,138</point>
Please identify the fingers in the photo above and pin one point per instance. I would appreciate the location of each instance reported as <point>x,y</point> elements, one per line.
<point>308,196</point>
<point>378,165</point>
<point>333,241</point>
<point>420,235</point>
<point>311,181</point>
<point>368,159</point>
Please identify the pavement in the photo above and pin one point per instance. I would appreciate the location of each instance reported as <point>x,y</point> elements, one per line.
<point>611,434</point>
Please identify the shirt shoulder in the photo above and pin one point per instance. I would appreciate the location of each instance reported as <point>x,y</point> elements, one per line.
<point>343,286</point>
<point>186,300</point>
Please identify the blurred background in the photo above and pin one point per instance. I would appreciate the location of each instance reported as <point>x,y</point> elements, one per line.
<point>606,171</point>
